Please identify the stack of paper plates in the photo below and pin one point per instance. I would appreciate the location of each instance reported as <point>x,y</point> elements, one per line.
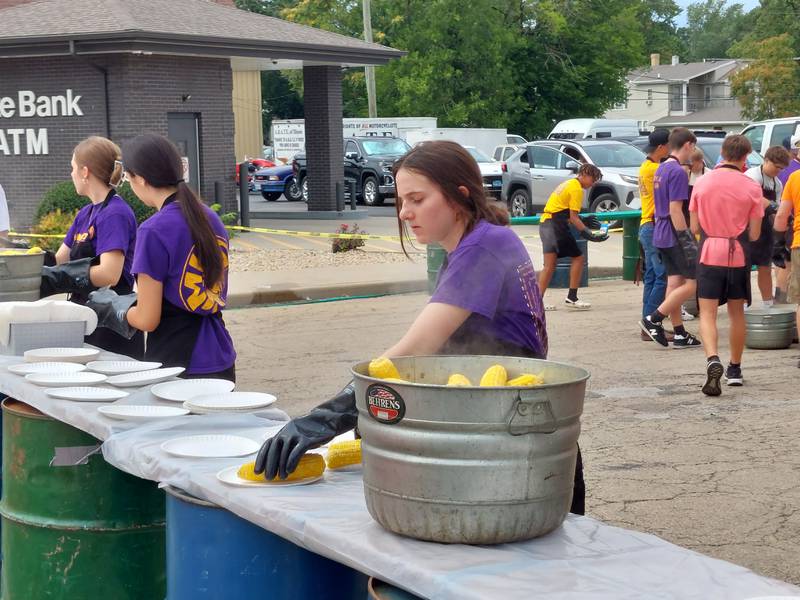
<point>144,377</point>
<point>186,389</point>
<point>82,378</point>
<point>210,446</point>
<point>140,412</point>
<point>229,402</point>
<point>86,394</point>
<point>76,355</point>
<point>118,367</point>
<point>46,367</point>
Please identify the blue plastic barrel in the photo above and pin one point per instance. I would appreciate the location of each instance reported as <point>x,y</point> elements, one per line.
<point>561,275</point>
<point>214,554</point>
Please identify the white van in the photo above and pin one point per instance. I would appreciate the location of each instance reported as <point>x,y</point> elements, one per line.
<point>579,129</point>
<point>764,134</point>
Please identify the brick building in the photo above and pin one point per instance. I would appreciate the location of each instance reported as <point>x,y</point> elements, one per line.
<point>74,68</point>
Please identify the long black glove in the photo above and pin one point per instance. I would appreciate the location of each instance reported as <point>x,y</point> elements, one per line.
<point>593,236</point>
<point>72,276</point>
<point>780,253</point>
<point>112,309</point>
<point>281,453</point>
<point>688,244</point>
<point>591,221</point>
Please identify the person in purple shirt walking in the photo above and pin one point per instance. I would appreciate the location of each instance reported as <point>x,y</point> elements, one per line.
<point>181,268</point>
<point>98,248</point>
<point>676,245</point>
<point>486,301</point>
<point>794,164</point>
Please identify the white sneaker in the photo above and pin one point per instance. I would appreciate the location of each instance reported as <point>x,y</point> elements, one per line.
<point>685,316</point>
<point>577,304</point>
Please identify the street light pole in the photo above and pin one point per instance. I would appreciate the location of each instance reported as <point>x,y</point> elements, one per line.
<point>369,71</point>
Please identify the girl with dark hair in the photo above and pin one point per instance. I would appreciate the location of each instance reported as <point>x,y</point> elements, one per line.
<point>181,268</point>
<point>98,248</point>
<point>486,300</point>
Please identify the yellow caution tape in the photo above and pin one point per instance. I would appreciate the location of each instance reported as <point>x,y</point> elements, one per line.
<point>317,234</point>
<point>36,235</point>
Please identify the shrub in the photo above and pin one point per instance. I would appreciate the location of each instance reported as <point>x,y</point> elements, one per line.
<point>342,244</point>
<point>63,197</point>
<point>53,223</point>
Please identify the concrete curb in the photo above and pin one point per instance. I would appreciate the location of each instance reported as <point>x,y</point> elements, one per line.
<point>282,293</point>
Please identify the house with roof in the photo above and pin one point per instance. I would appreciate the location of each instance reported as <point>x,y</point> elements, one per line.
<point>696,95</point>
<point>117,68</point>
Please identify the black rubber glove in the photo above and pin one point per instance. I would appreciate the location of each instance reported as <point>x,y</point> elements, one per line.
<point>72,276</point>
<point>281,453</point>
<point>771,210</point>
<point>594,236</point>
<point>780,253</point>
<point>688,244</point>
<point>111,309</point>
<point>591,222</point>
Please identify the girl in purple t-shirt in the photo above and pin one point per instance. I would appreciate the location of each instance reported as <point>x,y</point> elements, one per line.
<point>181,268</point>
<point>98,248</point>
<point>486,301</point>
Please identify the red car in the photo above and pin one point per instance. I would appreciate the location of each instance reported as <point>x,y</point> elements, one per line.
<point>255,165</point>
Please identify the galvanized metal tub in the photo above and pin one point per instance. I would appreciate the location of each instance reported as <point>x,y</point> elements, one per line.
<point>213,554</point>
<point>82,531</point>
<point>380,590</point>
<point>20,276</point>
<point>770,328</point>
<point>469,465</point>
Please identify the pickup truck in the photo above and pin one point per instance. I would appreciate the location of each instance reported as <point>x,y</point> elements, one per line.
<point>368,161</point>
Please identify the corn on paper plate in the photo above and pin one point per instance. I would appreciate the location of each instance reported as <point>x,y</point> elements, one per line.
<point>229,476</point>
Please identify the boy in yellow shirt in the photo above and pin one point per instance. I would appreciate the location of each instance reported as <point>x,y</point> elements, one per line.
<point>654,279</point>
<point>560,212</point>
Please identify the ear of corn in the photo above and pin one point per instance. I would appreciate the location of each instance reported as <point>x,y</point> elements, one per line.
<point>344,454</point>
<point>458,380</point>
<point>310,465</point>
<point>383,368</point>
<point>494,376</point>
<point>525,380</point>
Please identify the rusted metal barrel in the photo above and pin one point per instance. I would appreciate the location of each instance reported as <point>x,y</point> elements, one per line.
<point>73,525</point>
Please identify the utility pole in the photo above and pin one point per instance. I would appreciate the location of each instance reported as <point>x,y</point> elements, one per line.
<point>369,71</point>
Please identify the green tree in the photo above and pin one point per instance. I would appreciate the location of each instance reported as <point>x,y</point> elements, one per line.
<point>772,18</point>
<point>660,31</point>
<point>769,87</point>
<point>712,27</point>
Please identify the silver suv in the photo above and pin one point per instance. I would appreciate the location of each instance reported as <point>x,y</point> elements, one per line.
<point>534,172</point>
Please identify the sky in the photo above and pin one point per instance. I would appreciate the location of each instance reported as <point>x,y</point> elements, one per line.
<point>748,5</point>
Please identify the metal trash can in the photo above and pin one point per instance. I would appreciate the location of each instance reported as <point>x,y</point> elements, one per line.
<point>472,465</point>
<point>214,554</point>
<point>560,278</point>
<point>20,276</point>
<point>436,255</point>
<point>770,328</point>
<point>74,528</point>
<point>630,248</point>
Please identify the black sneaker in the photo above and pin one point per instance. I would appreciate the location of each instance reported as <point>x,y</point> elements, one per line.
<point>714,372</point>
<point>685,341</point>
<point>654,330</point>
<point>733,375</point>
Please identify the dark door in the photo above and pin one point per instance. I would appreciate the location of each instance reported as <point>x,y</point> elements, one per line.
<point>184,131</point>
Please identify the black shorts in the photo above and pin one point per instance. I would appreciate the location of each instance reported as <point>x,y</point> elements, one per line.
<point>675,263</point>
<point>760,251</point>
<point>723,283</point>
<point>558,239</point>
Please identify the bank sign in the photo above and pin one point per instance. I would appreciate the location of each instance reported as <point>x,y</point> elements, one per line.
<point>15,141</point>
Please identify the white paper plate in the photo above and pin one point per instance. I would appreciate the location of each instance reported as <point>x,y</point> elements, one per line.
<point>210,446</point>
<point>231,401</point>
<point>141,412</point>
<point>76,355</point>
<point>186,389</point>
<point>144,377</point>
<point>46,367</point>
<point>202,411</point>
<point>230,476</point>
<point>118,367</point>
<point>82,378</point>
<point>86,394</point>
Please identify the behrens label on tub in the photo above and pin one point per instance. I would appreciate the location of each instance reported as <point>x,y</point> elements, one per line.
<point>384,404</point>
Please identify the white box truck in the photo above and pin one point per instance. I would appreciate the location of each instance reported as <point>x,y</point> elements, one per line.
<point>483,139</point>
<point>289,135</point>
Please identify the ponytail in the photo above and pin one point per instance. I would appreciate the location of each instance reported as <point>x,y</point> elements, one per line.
<point>205,240</point>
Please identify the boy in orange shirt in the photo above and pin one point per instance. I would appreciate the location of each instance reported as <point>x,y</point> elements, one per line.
<point>790,205</point>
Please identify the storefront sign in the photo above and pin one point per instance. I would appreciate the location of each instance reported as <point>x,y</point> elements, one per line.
<point>15,141</point>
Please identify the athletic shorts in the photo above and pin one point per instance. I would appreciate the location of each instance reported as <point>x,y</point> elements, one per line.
<point>723,283</point>
<point>558,239</point>
<point>793,293</point>
<point>675,263</point>
<point>761,251</point>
